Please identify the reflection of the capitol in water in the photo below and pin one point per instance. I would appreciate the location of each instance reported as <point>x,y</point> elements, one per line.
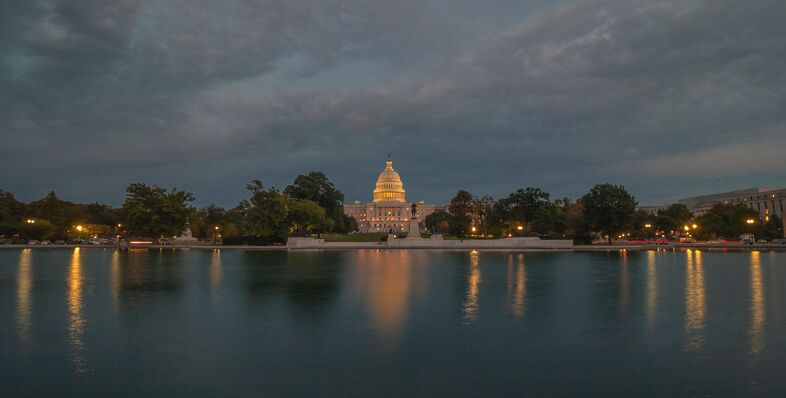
<point>383,279</point>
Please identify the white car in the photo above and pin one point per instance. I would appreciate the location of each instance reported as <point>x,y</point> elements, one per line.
<point>33,242</point>
<point>46,242</point>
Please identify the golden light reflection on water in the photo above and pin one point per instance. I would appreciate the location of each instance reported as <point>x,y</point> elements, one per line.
<point>115,278</point>
<point>650,306</point>
<point>471,305</point>
<point>520,292</point>
<point>624,283</point>
<point>76,324</point>
<point>695,300</point>
<point>384,280</point>
<point>215,273</point>
<point>758,317</point>
<point>24,283</point>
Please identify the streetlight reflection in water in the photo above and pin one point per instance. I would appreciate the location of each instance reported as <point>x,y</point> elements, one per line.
<point>758,317</point>
<point>76,325</point>
<point>24,283</point>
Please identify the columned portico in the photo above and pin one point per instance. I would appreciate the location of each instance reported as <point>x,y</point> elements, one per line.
<point>389,210</point>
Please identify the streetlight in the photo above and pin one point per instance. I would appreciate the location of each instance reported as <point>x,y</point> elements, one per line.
<point>215,230</point>
<point>30,221</point>
<point>647,225</point>
<point>750,222</point>
<point>79,228</point>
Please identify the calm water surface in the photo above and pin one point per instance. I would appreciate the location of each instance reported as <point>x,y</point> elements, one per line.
<point>391,323</point>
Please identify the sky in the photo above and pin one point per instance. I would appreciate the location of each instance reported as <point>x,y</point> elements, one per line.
<point>669,99</point>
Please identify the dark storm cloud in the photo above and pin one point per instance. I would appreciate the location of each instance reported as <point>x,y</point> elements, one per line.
<point>663,97</point>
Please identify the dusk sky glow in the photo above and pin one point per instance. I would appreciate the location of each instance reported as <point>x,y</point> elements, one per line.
<point>666,98</point>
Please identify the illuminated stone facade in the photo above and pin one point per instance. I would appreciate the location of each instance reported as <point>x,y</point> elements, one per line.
<point>389,210</point>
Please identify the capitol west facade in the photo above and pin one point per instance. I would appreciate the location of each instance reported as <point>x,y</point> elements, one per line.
<point>389,210</point>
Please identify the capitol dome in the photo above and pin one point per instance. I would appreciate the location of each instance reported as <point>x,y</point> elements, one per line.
<point>389,187</point>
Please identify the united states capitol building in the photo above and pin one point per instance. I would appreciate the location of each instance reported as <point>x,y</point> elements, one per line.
<point>389,210</point>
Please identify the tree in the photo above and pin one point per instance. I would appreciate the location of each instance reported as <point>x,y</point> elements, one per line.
<point>609,209</point>
<point>482,213</point>
<point>772,228</point>
<point>306,216</point>
<point>39,229</point>
<point>728,221</point>
<point>438,222</point>
<point>316,187</point>
<point>153,211</point>
<point>11,214</point>
<point>205,220</point>
<point>673,218</point>
<point>461,208</point>
<point>100,214</point>
<point>644,224</point>
<point>576,225</point>
<point>265,213</point>
<point>530,209</point>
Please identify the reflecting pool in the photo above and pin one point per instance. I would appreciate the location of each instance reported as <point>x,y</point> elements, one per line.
<point>391,323</point>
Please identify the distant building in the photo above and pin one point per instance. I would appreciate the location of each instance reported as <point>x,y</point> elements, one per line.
<point>389,210</point>
<point>766,201</point>
<point>653,209</point>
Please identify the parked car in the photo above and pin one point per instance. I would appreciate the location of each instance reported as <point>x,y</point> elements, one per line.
<point>779,241</point>
<point>763,241</point>
<point>33,242</point>
<point>46,242</point>
<point>60,242</point>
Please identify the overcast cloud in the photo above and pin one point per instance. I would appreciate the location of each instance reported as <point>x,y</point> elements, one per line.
<point>663,97</point>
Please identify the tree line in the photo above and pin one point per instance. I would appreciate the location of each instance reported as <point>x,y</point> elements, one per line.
<point>313,205</point>
<point>607,210</point>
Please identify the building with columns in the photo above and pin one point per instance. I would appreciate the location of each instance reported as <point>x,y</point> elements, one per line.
<point>389,209</point>
<point>766,201</point>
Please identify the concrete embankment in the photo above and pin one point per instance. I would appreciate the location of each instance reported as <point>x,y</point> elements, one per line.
<point>461,245</point>
<point>300,243</point>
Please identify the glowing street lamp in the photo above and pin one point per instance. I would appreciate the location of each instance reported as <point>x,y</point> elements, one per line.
<point>520,228</point>
<point>750,221</point>
<point>474,229</point>
<point>30,221</point>
<point>215,231</point>
<point>79,228</point>
<point>694,226</point>
<point>687,228</point>
<point>647,225</point>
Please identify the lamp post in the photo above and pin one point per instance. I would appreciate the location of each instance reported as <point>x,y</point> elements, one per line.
<point>215,231</point>
<point>750,223</point>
